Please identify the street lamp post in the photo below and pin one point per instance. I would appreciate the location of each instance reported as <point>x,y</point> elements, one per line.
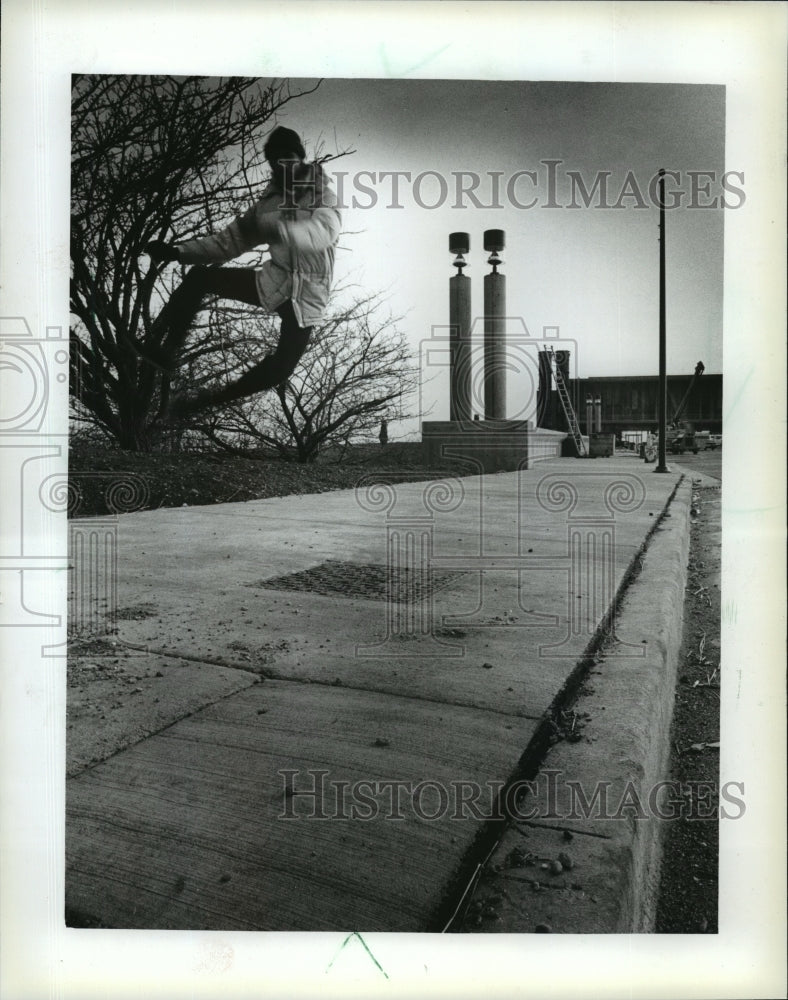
<point>663,377</point>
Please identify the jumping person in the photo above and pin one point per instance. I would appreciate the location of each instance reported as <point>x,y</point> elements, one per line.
<point>298,218</point>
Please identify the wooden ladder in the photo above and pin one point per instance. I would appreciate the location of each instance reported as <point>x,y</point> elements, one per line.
<point>566,403</point>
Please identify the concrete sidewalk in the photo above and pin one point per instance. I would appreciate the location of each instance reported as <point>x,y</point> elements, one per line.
<point>283,734</point>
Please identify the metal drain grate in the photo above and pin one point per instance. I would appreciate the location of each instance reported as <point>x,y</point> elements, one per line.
<point>367,580</point>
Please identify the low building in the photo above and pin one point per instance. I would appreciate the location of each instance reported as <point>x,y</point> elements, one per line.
<point>629,402</point>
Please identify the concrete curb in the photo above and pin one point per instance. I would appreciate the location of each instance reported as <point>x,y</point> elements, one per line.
<point>596,799</point>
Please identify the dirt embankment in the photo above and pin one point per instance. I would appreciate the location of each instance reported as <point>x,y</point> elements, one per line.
<point>110,482</point>
<point>689,883</point>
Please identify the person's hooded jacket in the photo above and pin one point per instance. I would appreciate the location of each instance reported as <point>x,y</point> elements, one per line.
<point>301,241</point>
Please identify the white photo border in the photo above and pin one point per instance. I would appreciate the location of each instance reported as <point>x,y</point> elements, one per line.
<point>739,45</point>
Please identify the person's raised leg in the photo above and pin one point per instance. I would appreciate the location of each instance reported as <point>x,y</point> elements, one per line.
<point>276,367</point>
<point>272,371</point>
<point>174,321</point>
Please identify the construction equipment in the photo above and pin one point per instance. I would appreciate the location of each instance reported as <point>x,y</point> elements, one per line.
<point>566,405</point>
<point>679,436</point>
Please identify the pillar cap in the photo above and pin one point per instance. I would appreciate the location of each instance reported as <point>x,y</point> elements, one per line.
<point>459,243</point>
<point>494,240</point>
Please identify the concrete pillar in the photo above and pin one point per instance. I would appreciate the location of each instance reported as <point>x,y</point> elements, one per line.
<point>460,332</point>
<point>598,414</point>
<point>589,415</point>
<point>546,406</point>
<point>494,330</point>
<point>543,391</point>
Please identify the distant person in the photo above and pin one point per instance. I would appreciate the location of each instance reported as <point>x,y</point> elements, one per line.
<point>297,217</point>
<point>383,437</point>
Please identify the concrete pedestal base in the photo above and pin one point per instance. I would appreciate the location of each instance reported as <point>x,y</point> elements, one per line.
<point>489,445</point>
<point>602,446</point>
<point>569,448</point>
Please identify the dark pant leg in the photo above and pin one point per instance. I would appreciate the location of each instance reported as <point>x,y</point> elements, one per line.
<point>176,318</point>
<point>274,369</point>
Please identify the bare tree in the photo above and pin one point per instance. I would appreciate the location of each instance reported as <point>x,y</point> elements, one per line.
<point>357,367</point>
<point>152,158</point>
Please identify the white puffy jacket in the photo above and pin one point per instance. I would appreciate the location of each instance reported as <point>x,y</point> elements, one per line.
<point>301,243</point>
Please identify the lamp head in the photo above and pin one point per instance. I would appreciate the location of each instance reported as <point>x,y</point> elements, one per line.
<point>459,244</point>
<point>494,240</point>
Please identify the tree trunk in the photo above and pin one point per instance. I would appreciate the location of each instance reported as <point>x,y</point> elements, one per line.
<point>133,438</point>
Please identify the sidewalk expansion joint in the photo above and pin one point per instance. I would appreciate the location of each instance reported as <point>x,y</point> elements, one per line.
<point>269,674</point>
<point>174,655</point>
<point>275,676</point>
<point>259,677</point>
<point>156,732</point>
<point>449,913</point>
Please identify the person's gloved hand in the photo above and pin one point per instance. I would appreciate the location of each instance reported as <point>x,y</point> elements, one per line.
<point>161,252</point>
